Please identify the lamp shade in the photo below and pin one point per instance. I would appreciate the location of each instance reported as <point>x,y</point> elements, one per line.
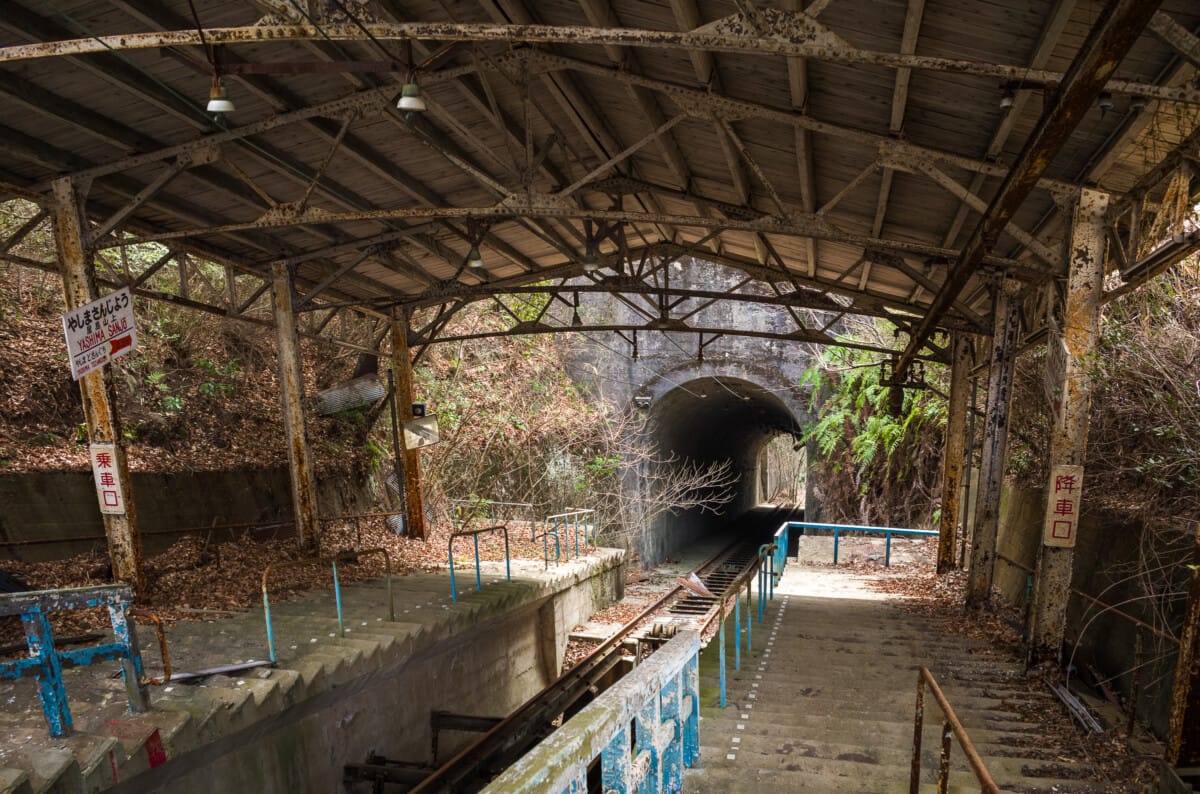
<point>410,98</point>
<point>218,102</point>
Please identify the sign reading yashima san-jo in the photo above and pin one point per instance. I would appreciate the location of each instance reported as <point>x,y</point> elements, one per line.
<point>1062,514</point>
<point>99,332</point>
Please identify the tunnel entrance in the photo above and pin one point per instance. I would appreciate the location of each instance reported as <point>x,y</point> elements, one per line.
<point>713,419</point>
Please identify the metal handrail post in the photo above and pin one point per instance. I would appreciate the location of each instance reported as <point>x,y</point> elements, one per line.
<point>478,575</point>
<point>450,554</point>
<point>337,599</point>
<point>749,621</point>
<point>721,644</point>
<point>914,780</point>
<point>507,557</point>
<point>772,578</point>
<point>737,628</point>
<point>835,545</point>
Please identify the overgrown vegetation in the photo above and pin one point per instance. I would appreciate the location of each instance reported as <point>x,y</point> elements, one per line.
<point>201,393</point>
<point>877,461</point>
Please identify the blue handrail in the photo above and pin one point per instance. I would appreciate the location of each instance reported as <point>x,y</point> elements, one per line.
<point>887,532</point>
<point>351,555</point>
<point>645,729</point>
<point>45,663</point>
<point>475,533</point>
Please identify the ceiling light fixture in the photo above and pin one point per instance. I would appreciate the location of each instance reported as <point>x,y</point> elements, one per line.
<point>1008,97</point>
<point>474,259</point>
<point>410,98</point>
<point>218,101</point>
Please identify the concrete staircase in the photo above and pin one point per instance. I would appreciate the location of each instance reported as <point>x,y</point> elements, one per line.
<point>188,722</point>
<point>825,703</point>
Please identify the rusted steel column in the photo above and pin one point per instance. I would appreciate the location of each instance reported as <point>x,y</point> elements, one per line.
<point>1068,442</point>
<point>414,502</point>
<point>953,450</point>
<point>291,387</point>
<point>1183,741</point>
<point>77,267</point>
<point>1006,323</point>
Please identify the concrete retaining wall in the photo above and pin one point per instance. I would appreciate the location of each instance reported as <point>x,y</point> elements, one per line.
<point>1108,552</point>
<point>486,662</point>
<point>44,505</point>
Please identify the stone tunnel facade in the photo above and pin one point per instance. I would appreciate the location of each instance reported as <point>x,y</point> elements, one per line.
<point>725,400</point>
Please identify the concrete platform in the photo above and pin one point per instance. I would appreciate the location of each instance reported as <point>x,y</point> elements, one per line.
<point>825,700</point>
<point>330,699</point>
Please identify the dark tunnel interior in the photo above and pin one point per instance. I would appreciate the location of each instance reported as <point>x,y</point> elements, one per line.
<point>714,419</point>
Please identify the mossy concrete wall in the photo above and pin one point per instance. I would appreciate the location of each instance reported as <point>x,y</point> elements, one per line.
<point>62,505</point>
<point>1107,562</point>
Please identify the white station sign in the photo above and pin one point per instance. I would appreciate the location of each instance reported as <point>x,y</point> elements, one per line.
<point>100,331</point>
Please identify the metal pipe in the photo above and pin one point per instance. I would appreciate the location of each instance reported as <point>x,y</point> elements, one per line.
<point>914,780</point>
<point>721,647</point>
<point>337,599</point>
<point>737,630</point>
<point>160,629</point>
<point>478,575</point>
<point>986,784</point>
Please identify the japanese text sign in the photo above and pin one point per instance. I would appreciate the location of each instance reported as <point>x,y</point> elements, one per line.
<point>100,331</point>
<point>108,478</point>
<point>1062,506</point>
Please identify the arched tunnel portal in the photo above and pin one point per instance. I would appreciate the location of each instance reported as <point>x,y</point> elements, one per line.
<point>711,419</point>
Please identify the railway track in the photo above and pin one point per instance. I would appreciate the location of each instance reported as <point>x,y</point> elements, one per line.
<point>508,739</point>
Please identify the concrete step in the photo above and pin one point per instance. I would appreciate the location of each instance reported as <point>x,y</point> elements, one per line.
<point>15,781</point>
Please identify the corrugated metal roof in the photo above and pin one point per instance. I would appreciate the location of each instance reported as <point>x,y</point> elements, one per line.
<point>879,137</point>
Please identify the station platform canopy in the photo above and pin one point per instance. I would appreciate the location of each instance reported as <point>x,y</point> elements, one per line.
<point>850,156</point>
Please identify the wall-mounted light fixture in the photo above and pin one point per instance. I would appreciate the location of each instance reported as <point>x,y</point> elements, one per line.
<point>1170,251</point>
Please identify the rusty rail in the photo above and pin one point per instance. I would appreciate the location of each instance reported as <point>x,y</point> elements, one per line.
<point>951,727</point>
<point>160,629</point>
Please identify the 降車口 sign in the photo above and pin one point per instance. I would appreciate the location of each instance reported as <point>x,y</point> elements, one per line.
<point>1062,512</point>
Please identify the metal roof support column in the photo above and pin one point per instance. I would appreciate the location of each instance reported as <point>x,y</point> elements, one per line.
<point>414,502</point>
<point>77,266</point>
<point>1081,322</point>
<point>291,386</point>
<point>1183,738</point>
<point>995,442</point>
<point>953,451</point>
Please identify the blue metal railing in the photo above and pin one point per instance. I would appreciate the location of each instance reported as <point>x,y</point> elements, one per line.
<point>887,532</point>
<point>645,730</point>
<point>766,572</point>
<point>464,511</point>
<point>344,556</point>
<point>46,664</point>
<point>474,535</point>
<point>560,527</point>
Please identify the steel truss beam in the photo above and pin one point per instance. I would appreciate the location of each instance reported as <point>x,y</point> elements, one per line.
<point>1120,23</point>
<point>544,205</point>
<point>791,34</point>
